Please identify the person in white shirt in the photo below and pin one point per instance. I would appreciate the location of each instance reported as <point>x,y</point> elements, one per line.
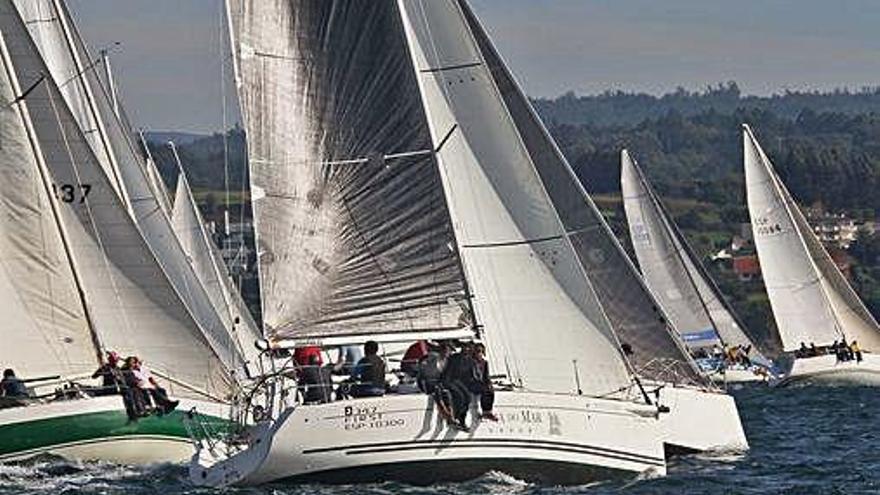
<point>145,381</point>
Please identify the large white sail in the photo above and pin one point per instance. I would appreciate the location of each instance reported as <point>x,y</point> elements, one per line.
<point>542,321</point>
<point>657,352</point>
<point>352,229</point>
<point>661,261</point>
<point>211,270</point>
<point>802,312</point>
<point>810,298</point>
<point>673,273</point>
<point>133,306</point>
<point>45,330</point>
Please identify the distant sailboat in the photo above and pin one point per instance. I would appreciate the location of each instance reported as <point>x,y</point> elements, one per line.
<point>78,273</point>
<point>811,300</point>
<point>678,281</point>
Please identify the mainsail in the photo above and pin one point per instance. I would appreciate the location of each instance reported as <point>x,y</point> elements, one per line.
<point>133,307</point>
<point>352,229</point>
<point>45,329</point>
<point>672,272</point>
<point>634,316</point>
<point>811,300</point>
<point>531,293</point>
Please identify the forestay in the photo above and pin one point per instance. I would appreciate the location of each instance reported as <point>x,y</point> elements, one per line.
<point>45,330</point>
<point>811,300</point>
<point>352,229</point>
<point>632,312</point>
<point>671,271</point>
<point>134,308</point>
<point>542,321</point>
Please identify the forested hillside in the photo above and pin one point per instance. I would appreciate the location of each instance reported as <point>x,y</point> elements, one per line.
<point>826,147</point>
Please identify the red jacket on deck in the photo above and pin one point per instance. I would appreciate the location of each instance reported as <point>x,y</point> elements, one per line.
<point>303,355</point>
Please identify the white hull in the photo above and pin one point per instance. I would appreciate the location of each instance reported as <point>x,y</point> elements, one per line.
<point>97,429</point>
<point>550,438</point>
<point>700,420</point>
<point>827,370</point>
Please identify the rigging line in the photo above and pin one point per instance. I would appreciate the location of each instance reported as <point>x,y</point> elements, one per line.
<point>93,62</point>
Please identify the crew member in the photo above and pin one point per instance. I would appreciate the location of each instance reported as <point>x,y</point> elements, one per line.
<point>369,374</point>
<point>111,377</point>
<point>11,387</point>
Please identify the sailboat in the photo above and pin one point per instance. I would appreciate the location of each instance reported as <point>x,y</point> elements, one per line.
<point>812,302</point>
<point>372,226</point>
<point>691,301</point>
<point>398,195</point>
<point>80,276</point>
<point>653,347</point>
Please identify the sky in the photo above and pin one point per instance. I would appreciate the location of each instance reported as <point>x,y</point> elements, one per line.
<point>171,53</point>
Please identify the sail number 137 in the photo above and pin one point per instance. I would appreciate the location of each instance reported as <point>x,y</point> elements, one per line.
<point>72,193</point>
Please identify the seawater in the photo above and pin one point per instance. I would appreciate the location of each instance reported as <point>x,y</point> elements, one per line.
<point>804,440</point>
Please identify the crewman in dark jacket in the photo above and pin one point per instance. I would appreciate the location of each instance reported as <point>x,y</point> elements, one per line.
<point>11,387</point>
<point>369,374</point>
<point>112,379</point>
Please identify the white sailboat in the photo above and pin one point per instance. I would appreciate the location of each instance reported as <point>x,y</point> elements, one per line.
<point>78,275</point>
<point>377,127</point>
<point>689,298</point>
<point>351,79</point>
<point>811,300</point>
<point>653,346</point>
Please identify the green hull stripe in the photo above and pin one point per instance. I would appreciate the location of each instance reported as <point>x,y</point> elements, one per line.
<point>43,434</point>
